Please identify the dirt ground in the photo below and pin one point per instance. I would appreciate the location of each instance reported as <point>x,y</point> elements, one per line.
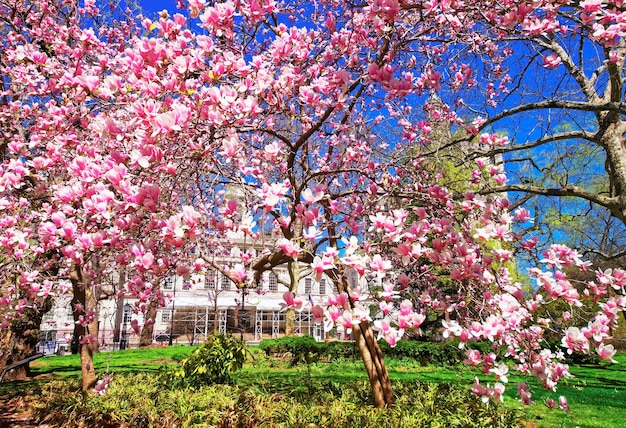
<point>14,413</point>
<point>14,409</point>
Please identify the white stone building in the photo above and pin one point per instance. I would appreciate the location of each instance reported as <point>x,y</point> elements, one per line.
<point>199,305</point>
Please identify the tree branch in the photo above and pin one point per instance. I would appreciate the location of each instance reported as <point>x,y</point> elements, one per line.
<point>574,191</point>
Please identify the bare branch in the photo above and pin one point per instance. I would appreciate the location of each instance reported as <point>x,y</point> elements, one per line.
<point>606,257</point>
<point>574,191</point>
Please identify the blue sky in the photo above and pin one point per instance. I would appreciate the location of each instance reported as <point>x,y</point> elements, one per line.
<point>152,6</point>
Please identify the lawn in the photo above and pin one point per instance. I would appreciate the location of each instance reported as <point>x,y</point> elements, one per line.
<point>597,395</point>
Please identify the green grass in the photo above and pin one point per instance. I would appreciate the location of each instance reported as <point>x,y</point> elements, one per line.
<point>597,395</point>
<point>127,361</point>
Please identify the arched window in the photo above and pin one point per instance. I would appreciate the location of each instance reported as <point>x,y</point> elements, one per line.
<point>128,313</point>
<point>226,282</point>
<point>168,283</point>
<point>273,282</point>
<point>323,286</point>
<point>209,280</point>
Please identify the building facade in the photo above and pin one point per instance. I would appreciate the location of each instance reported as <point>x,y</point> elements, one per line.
<point>199,305</point>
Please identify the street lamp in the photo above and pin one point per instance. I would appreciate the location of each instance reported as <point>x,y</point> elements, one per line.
<point>125,317</point>
<point>172,315</point>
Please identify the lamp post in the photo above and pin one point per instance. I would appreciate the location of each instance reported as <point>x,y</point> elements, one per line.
<point>172,315</point>
<point>242,322</point>
<point>125,316</point>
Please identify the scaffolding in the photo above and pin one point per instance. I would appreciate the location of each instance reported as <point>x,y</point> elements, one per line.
<point>195,324</point>
<point>272,323</point>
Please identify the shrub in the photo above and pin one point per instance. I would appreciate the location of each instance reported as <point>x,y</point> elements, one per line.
<point>134,400</point>
<point>305,348</point>
<point>341,350</point>
<point>300,348</point>
<point>141,401</point>
<point>446,353</point>
<point>575,357</point>
<point>211,363</point>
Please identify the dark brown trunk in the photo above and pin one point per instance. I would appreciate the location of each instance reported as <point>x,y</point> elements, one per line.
<point>369,349</point>
<point>20,340</point>
<point>147,331</point>
<point>374,365</point>
<point>86,332</point>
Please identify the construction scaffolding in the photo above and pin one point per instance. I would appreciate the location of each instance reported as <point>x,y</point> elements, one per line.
<point>194,325</point>
<point>272,324</point>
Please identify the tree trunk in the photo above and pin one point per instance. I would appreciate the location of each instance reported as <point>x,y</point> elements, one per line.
<point>216,318</point>
<point>290,322</point>
<point>86,331</point>
<point>613,141</point>
<point>371,353</point>
<point>20,340</point>
<point>374,365</point>
<point>147,331</point>
<point>293,267</point>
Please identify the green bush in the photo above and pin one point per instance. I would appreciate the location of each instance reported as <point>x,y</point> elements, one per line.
<point>341,351</point>
<point>446,353</point>
<point>140,401</point>
<point>134,400</point>
<point>211,363</point>
<point>484,347</point>
<point>426,353</point>
<point>575,357</point>
<point>300,348</point>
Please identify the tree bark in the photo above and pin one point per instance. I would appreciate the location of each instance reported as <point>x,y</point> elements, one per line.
<point>374,365</point>
<point>86,332</point>
<point>20,340</point>
<point>147,331</point>
<point>290,322</point>
<point>293,267</point>
<point>369,349</point>
<point>613,142</point>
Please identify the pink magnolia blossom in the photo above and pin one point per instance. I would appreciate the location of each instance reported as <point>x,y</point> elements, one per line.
<point>291,301</point>
<point>320,264</point>
<point>289,248</point>
<point>606,352</point>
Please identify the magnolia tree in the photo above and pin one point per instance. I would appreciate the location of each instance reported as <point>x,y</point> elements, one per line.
<point>309,167</point>
<point>89,185</point>
<point>142,149</point>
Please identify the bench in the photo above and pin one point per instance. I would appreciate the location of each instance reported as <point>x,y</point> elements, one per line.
<point>18,364</point>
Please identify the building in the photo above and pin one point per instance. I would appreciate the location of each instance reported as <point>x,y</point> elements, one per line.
<point>199,305</point>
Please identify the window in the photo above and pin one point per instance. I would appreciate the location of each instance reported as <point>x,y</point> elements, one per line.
<point>323,286</point>
<point>48,317</point>
<point>166,316</point>
<point>168,283</point>
<point>307,285</point>
<point>225,283</point>
<point>186,284</point>
<point>273,281</point>
<point>209,280</point>
<point>128,313</point>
